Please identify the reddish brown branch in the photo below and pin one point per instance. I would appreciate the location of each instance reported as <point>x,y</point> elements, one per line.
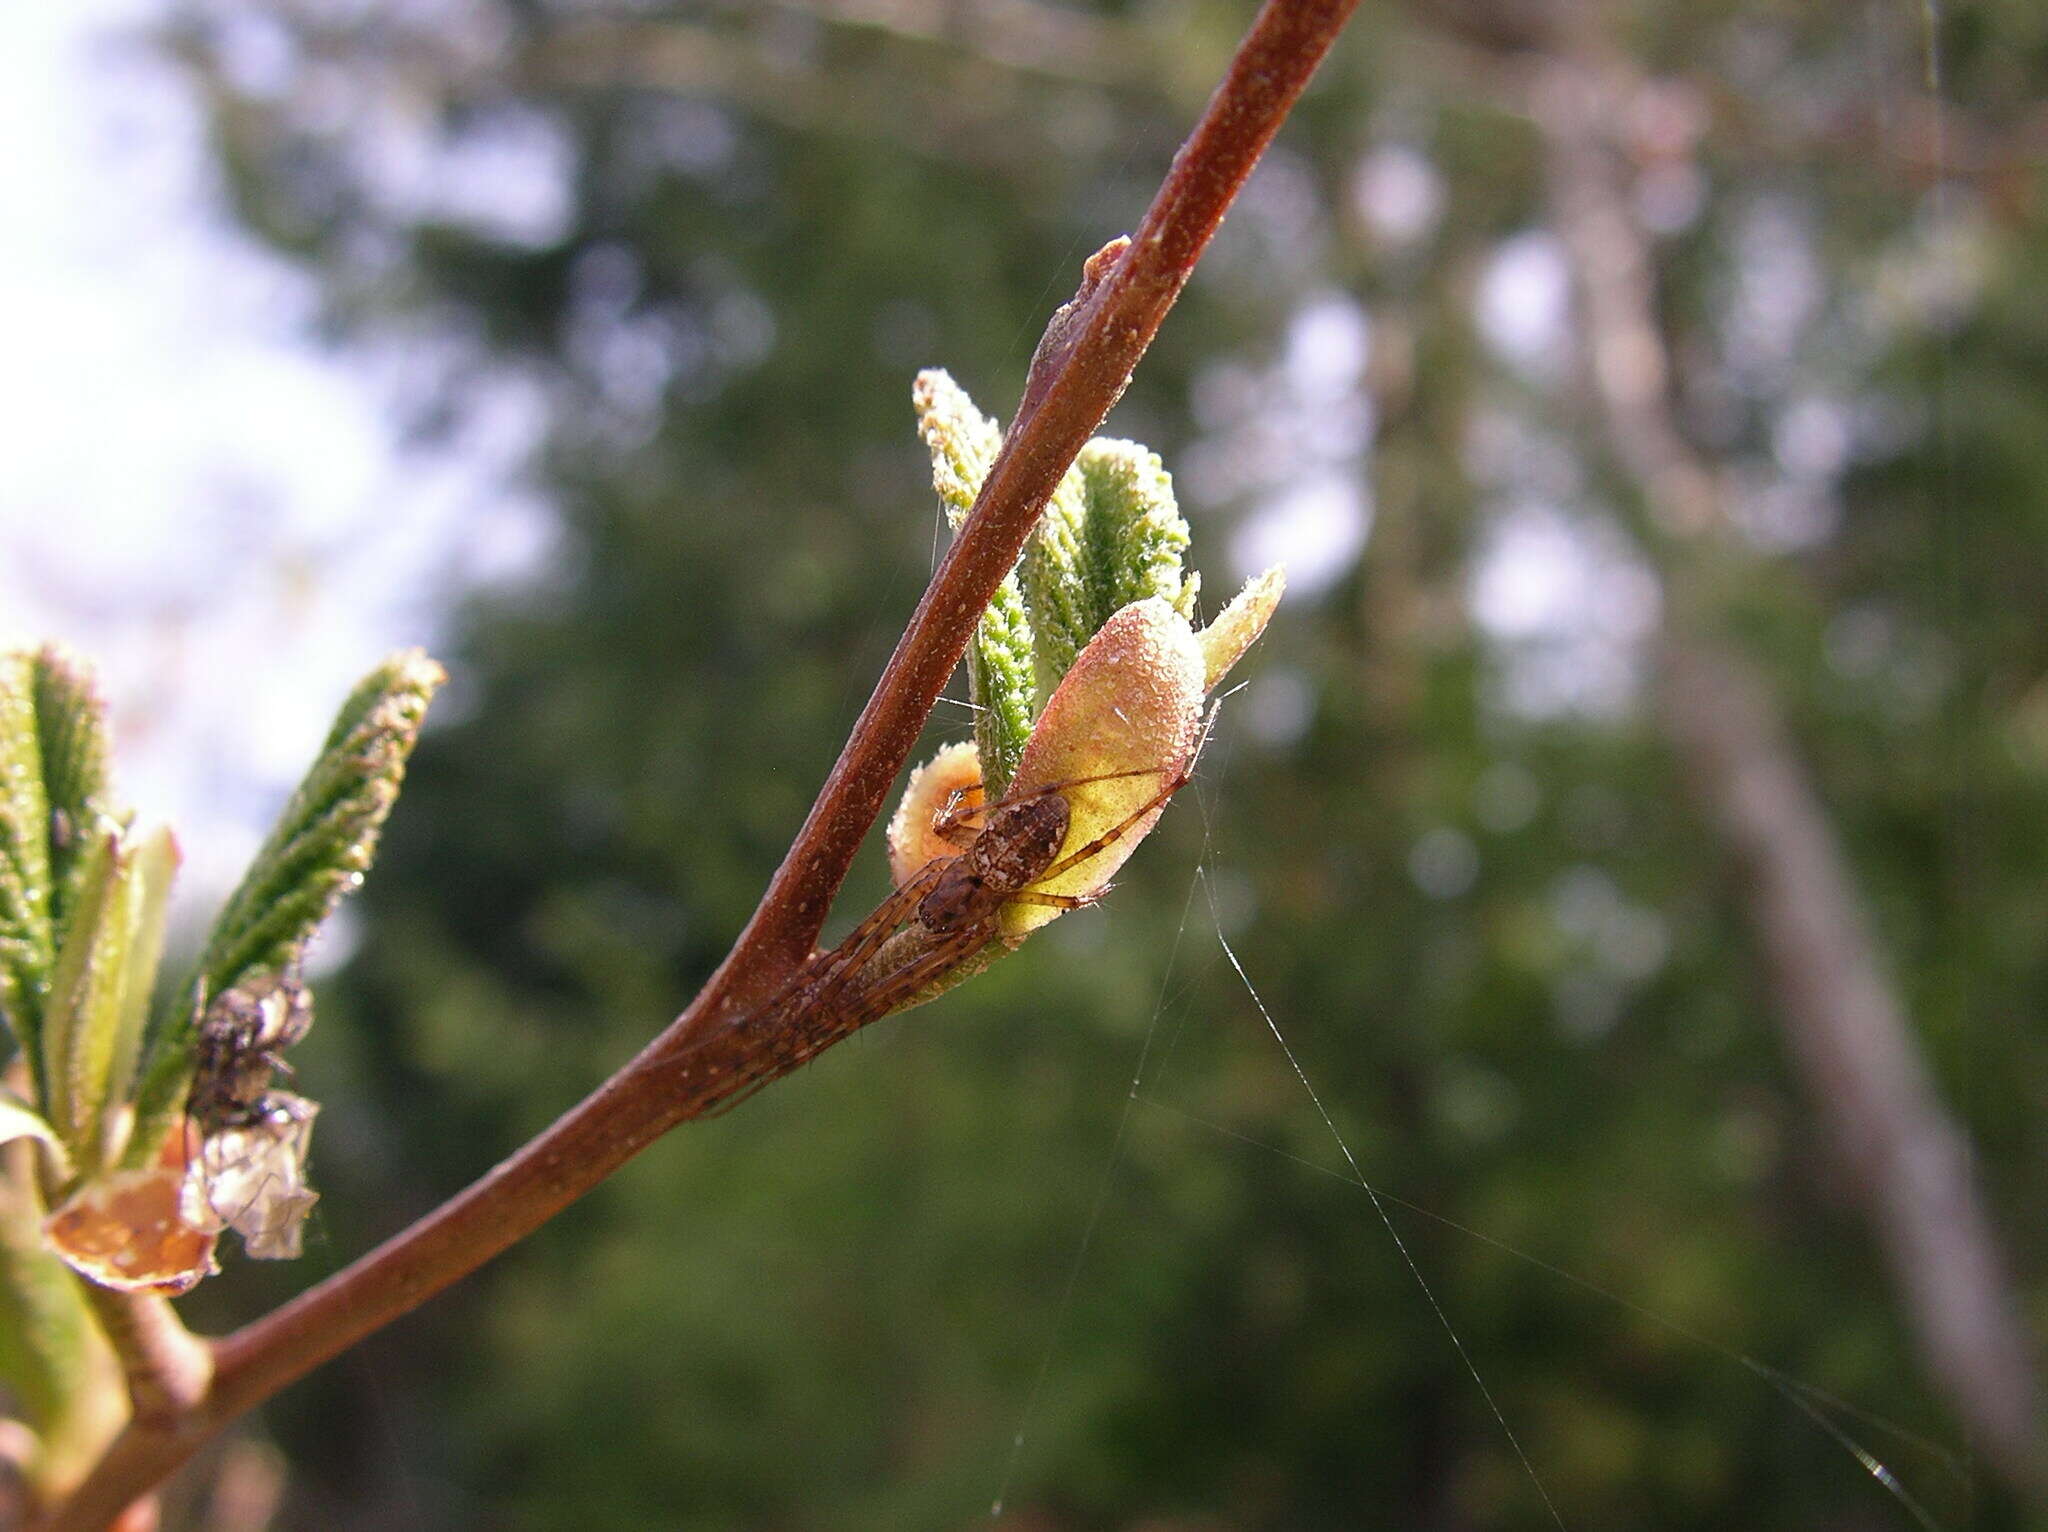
<point>1082,366</point>
<point>168,1368</point>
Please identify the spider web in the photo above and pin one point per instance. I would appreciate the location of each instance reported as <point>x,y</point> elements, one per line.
<point>1843,1423</point>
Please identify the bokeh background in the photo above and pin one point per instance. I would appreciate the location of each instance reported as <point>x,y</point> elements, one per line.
<point>1651,404</point>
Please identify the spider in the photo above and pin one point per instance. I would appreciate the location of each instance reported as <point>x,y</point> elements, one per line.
<point>940,919</point>
<point>248,1172</point>
<point>242,1038</point>
<point>238,1162</point>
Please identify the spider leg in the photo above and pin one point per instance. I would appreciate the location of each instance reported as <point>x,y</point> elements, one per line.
<point>1115,832</point>
<point>860,945</point>
<point>1056,901</point>
<point>898,985</point>
<point>749,1084</point>
<point>1066,782</point>
<point>950,823</point>
<point>826,975</point>
<point>817,1027</point>
<point>946,821</point>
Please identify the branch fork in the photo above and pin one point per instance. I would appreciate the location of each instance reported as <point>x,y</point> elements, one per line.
<point>1078,372</point>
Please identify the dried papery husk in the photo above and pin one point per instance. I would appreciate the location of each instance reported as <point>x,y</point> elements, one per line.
<point>252,1178</point>
<point>951,776</point>
<point>1116,733</point>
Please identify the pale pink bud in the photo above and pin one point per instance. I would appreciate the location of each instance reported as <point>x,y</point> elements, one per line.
<point>1116,734</point>
<point>1115,740</point>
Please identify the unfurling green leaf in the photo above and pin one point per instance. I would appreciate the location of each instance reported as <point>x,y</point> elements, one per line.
<point>1110,535</point>
<point>1053,574</point>
<point>71,728</point>
<point>99,989</point>
<point>1000,684</point>
<point>963,442</point>
<point>1000,670</point>
<point>326,838</point>
<point>322,845</point>
<point>1135,532</point>
<point>27,942</point>
<point>53,805</point>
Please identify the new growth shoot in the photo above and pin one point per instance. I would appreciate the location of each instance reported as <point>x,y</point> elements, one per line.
<point>1089,683</point>
<point>1091,721</point>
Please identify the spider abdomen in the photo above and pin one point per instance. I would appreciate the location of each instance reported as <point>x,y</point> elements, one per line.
<point>1012,851</point>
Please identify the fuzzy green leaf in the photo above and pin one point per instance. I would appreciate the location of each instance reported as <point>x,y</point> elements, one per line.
<point>321,847</point>
<point>100,986</point>
<point>71,726</point>
<point>1111,534</point>
<point>963,442</point>
<point>1055,589</point>
<point>1001,684</point>
<point>26,940</point>
<point>326,838</point>
<point>1135,535</point>
<point>85,997</point>
<point>1001,670</point>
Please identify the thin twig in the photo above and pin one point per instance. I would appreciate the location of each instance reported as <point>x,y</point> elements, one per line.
<point>168,1367</point>
<point>1082,366</point>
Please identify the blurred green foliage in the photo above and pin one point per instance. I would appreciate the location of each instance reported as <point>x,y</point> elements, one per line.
<point>1498,938</point>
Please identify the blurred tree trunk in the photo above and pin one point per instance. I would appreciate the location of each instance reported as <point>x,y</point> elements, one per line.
<point>1844,1025</point>
<point>1909,1162</point>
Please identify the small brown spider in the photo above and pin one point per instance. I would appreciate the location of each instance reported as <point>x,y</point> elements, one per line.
<point>937,922</point>
<point>248,1172</point>
<point>242,1038</point>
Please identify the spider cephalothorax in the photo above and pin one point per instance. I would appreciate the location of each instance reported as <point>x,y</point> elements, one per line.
<point>242,1038</point>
